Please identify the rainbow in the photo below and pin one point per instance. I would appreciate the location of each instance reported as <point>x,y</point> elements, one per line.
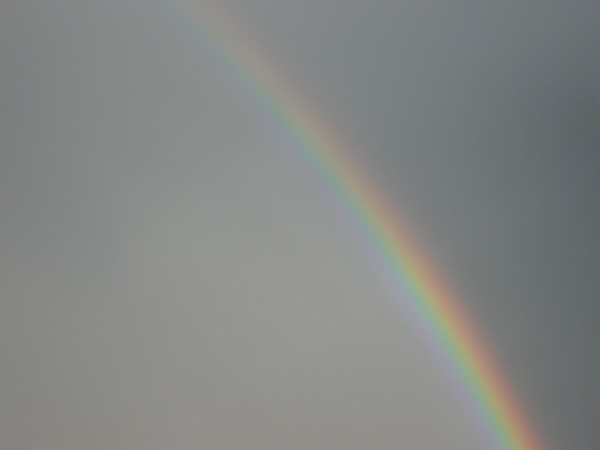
<point>431,302</point>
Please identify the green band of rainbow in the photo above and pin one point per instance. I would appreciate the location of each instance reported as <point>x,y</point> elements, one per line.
<point>448,321</point>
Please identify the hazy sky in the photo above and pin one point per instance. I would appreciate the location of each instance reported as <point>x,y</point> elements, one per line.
<point>171,278</point>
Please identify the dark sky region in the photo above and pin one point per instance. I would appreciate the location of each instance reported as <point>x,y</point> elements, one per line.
<point>171,278</point>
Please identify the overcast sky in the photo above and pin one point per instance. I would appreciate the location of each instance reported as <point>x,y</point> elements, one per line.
<point>171,278</point>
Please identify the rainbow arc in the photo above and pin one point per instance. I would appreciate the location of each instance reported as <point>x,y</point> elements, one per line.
<point>397,248</point>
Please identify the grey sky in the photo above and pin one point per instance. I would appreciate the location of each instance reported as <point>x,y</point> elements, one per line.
<point>171,278</point>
